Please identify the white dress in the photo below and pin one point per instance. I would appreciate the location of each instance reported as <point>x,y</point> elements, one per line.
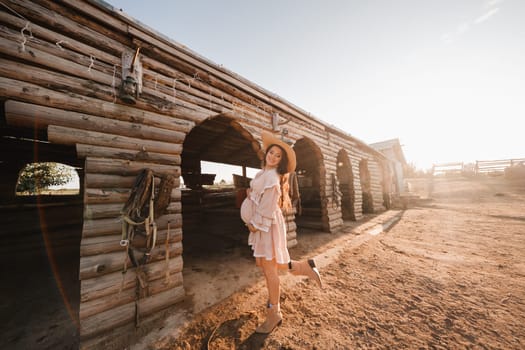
<point>261,209</point>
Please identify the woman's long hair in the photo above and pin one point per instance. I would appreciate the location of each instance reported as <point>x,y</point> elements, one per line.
<point>285,203</point>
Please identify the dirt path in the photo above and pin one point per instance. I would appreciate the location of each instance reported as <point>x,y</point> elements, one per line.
<point>450,274</point>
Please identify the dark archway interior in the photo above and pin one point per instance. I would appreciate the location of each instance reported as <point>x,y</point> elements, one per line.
<point>345,176</point>
<point>211,219</point>
<point>387,185</point>
<point>40,251</point>
<point>366,187</point>
<point>309,177</point>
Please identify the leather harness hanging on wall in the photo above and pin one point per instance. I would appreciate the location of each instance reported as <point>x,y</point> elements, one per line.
<point>139,229</point>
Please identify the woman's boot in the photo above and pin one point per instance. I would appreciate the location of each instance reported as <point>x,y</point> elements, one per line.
<point>273,319</point>
<point>306,268</point>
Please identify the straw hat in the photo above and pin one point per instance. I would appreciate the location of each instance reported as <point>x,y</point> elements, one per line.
<point>269,139</point>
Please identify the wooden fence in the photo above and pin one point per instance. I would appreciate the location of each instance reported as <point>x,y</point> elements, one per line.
<point>496,166</point>
<point>480,167</point>
<point>447,168</point>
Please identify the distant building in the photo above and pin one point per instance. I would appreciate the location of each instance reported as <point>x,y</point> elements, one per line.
<point>392,150</point>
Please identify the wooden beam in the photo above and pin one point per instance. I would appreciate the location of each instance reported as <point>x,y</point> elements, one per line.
<point>40,117</point>
<point>72,136</point>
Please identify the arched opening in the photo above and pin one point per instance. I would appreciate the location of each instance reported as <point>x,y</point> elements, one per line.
<point>213,233</point>
<point>310,176</point>
<point>387,183</point>
<point>345,176</point>
<point>47,178</point>
<point>366,187</point>
<point>40,251</point>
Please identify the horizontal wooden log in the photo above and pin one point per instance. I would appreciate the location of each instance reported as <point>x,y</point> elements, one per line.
<point>106,196</point>
<point>82,9</point>
<point>99,265</point>
<point>188,88</point>
<point>128,294</point>
<point>121,315</point>
<point>150,101</point>
<point>93,228</point>
<point>70,55</point>
<point>101,211</point>
<point>101,188</point>
<point>73,63</point>
<point>107,320</point>
<point>100,244</point>
<point>68,26</point>
<point>84,151</point>
<point>291,226</point>
<point>334,216</point>
<point>102,227</point>
<point>118,24</point>
<point>81,65</point>
<point>174,207</point>
<point>128,167</point>
<point>65,41</point>
<point>26,90</point>
<point>40,117</point>
<point>65,89</point>
<point>108,182</point>
<point>71,136</point>
<point>204,100</point>
<point>168,81</point>
<point>111,243</point>
<point>112,210</point>
<point>11,47</point>
<point>218,78</point>
<point>111,284</point>
<point>103,181</point>
<point>117,195</point>
<point>335,225</point>
<point>168,91</point>
<point>162,74</point>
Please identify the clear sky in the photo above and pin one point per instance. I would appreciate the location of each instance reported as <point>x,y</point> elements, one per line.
<point>445,77</point>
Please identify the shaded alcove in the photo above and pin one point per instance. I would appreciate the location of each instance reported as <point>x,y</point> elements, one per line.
<point>310,171</point>
<point>211,222</point>
<point>345,177</point>
<point>387,184</point>
<point>40,251</point>
<point>366,187</point>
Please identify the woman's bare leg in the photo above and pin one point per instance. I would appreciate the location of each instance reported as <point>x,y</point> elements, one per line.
<point>273,314</point>
<point>271,275</point>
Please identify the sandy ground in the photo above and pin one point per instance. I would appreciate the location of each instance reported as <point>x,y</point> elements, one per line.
<point>449,274</point>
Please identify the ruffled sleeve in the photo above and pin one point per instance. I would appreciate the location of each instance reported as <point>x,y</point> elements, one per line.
<point>264,214</point>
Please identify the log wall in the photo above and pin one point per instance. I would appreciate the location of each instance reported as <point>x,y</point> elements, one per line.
<point>64,79</point>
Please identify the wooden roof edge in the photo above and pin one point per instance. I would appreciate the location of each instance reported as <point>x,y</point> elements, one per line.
<point>393,144</point>
<point>271,98</point>
<point>360,143</point>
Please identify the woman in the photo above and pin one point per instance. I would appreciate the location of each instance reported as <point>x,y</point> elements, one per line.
<point>262,212</point>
